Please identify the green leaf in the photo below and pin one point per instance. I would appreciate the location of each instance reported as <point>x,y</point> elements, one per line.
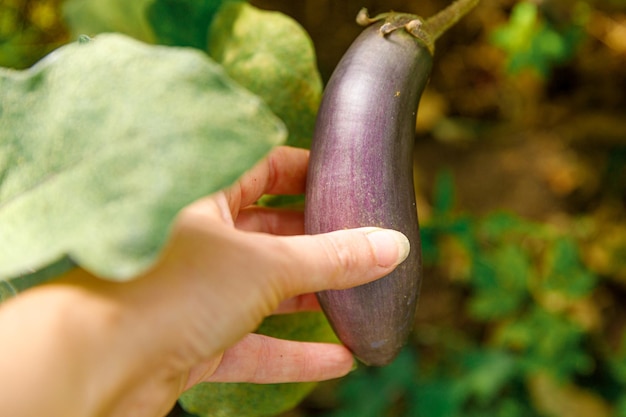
<point>253,400</point>
<point>271,55</point>
<point>486,373</point>
<point>444,193</point>
<point>102,143</point>
<point>565,271</point>
<point>438,397</point>
<point>547,342</point>
<point>267,52</point>
<point>98,16</point>
<point>500,281</point>
<point>498,225</point>
<point>40,276</point>
<point>183,22</point>
<point>518,33</point>
<point>534,43</point>
<point>371,391</point>
<point>6,291</point>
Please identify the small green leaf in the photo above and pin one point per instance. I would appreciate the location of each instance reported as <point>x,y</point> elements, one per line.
<point>6,291</point>
<point>565,271</point>
<point>99,16</point>
<point>547,341</point>
<point>444,193</point>
<point>271,55</point>
<point>494,304</point>
<point>253,400</point>
<point>500,280</point>
<point>486,373</point>
<point>532,42</point>
<point>102,143</point>
<point>36,277</point>
<point>371,391</point>
<point>517,34</point>
<point>438,397</point>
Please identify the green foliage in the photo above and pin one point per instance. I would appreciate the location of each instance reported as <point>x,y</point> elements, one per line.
<point>524,285</point>
<point>369,392</point>
<point>253,400</point>
<point>266,52</point>
<point>183,22</point>
<point>208,131</point>
<point>470,382</point>
<point>140,115</point>
<point>524,281</point>
<point>443,200</point>
<point>523,277</point>
<point>28,30</point>
<point>531,41</point>
<point>6,291</point>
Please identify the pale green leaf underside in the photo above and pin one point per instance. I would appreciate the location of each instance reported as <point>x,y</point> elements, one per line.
<point>266,52</point>
<point>102,143</point>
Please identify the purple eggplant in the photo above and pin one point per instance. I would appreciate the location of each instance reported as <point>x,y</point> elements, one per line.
<point>361,171</point>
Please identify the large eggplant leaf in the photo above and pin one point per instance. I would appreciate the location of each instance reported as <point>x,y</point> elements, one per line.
<point>183,22</point>
<point>165,22</point>
<point>103,142</point>
<point>267,52</point>
<point>271,55</point>
<point>92,17</point>
<point>253,400</point>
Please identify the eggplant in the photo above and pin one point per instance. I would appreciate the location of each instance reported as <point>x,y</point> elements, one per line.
<point>361,170</point>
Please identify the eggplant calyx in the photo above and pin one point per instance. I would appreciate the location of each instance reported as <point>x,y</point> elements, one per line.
<point>393,21</point>
<point>426,31</point>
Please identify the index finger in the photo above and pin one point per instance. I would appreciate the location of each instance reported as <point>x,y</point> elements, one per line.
<point>283,171</point>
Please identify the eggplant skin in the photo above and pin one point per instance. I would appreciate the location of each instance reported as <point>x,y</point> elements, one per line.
<point>361,174</point>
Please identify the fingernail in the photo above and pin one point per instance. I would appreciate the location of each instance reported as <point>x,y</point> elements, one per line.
<point>391,247</point>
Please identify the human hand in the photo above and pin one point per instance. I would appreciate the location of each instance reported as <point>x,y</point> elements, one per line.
<point>229,264</point>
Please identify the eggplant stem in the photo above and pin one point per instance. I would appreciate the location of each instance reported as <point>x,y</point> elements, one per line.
<point>438,24</point>
<point>426,31</point>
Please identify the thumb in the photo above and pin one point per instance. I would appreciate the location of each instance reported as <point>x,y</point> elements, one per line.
<point>342,259</point>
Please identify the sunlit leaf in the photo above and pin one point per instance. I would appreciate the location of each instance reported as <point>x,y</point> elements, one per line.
<point>271,55</point>
<point>91,17</point>
<point>103,142</point>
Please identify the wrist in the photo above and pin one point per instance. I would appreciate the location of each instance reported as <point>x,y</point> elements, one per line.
<point>60,345</point>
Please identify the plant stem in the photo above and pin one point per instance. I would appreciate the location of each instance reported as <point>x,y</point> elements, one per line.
<point>438,24</point>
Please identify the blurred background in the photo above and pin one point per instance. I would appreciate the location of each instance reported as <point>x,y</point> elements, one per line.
<point>521,181</point>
